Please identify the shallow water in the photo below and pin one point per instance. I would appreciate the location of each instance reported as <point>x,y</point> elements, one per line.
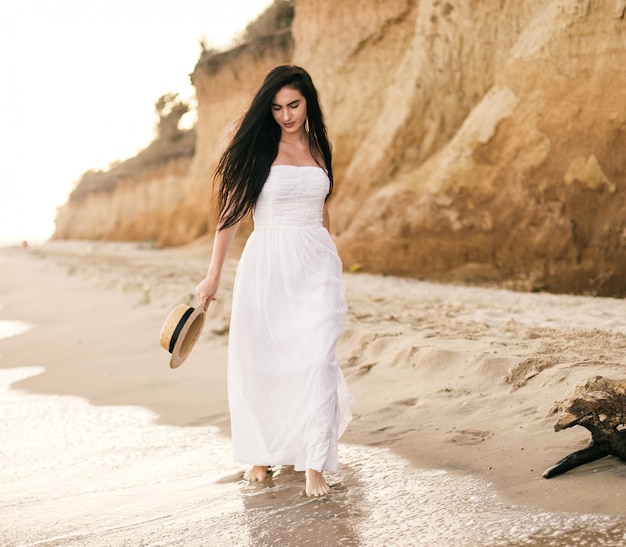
<point>13,328</point>
<point>75,474</point>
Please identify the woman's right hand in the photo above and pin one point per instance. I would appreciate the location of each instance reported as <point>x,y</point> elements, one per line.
<point>206,291</point>
<point>207,288</point>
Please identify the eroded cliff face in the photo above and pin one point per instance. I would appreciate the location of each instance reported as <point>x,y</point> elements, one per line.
<point>137,210</point>
<point>477,140</point>
<point>474,140</point>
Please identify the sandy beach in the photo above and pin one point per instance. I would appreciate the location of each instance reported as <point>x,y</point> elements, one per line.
<point>450,379</point>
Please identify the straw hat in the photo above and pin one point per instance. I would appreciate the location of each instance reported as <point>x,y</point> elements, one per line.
<point>181,331</point>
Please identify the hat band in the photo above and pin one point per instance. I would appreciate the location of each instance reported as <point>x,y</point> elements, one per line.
<point>179,327</point>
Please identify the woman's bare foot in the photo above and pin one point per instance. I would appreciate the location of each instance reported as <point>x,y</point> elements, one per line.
<point>315,484</point>
<point>257,474</point>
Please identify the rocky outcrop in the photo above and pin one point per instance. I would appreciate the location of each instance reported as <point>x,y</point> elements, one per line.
<point>478,141</point>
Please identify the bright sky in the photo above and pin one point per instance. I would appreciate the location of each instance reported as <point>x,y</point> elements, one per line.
<point>78,87</point>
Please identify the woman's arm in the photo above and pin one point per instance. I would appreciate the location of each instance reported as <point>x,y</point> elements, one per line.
<point>207,288</point>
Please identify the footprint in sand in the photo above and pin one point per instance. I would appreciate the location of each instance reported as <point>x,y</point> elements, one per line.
<point>468,436</point>
<point>412,401</point>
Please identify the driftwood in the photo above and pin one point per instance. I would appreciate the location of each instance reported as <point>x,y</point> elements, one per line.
<point>600,407</point>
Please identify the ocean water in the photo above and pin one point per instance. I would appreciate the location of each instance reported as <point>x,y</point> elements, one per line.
<point>12,328</point>
<point>80,475</point>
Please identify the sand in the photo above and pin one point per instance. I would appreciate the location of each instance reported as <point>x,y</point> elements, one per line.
<point>448,376</point>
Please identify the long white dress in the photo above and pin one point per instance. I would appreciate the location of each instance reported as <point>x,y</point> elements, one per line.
<point>289,402</point>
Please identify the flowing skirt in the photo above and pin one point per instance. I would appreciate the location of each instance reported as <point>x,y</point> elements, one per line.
<point>289,402</point>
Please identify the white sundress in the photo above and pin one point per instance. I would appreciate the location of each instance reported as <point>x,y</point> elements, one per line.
<point>289,402</point>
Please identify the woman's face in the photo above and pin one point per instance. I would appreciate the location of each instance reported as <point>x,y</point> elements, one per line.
<point>289,110</point>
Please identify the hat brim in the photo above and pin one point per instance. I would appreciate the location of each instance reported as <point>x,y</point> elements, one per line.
<point>189,330</point>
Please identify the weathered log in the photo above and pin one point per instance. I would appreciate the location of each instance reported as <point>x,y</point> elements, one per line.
<point>600,407</point>
<point>592,452</point>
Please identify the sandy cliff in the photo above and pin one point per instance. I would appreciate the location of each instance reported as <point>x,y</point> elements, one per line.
<point>477,140</point>
<point>137,208</point>
<point>473,140</point>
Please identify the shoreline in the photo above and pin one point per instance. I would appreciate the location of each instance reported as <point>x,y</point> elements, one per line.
<point>446,376</point>
<point>119,457</point>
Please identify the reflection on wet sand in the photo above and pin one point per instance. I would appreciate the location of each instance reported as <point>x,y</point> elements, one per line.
<point>279,513</point>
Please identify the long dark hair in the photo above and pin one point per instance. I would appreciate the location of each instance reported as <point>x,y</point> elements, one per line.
<point>246,163</point>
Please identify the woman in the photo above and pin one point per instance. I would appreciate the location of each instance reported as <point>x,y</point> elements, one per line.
<point>288,400</point>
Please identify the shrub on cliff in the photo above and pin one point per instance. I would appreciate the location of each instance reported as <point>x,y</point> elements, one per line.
<point>275,18</point>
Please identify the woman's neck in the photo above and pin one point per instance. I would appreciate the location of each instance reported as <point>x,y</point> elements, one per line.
<point>301,138</point>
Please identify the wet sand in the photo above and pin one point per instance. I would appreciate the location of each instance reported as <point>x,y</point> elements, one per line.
<point>454,388</point>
